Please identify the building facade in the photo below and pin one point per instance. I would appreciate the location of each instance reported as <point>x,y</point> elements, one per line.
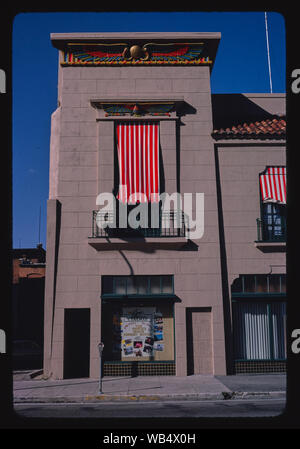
<point>162,287</point>
<point>250,151</point>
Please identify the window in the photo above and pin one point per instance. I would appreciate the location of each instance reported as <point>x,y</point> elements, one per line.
<point>137,285</point>
<point>272,224</point>
<point>259,317</point>
<point>138,318</point>
<point>136,209</point>
<point>259,330</point>
<point>135,332</point>
<point>257,284</point>
<point>138,161</point>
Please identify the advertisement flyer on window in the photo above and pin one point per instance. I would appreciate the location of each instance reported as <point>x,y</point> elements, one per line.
<point>141,329</point>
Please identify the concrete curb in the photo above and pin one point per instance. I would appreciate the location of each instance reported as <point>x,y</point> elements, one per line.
<point>254,394</point>
<point>231,395</point>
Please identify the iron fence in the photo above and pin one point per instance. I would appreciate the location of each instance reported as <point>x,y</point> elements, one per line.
<point>271,231</point>
<point>170,224</point>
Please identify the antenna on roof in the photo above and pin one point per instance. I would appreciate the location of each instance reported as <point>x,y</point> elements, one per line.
<point>268,52</point>
<point>39,227</point>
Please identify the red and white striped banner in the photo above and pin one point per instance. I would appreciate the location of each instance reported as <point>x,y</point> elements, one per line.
<point>138,156</point>
<point>273,185</point>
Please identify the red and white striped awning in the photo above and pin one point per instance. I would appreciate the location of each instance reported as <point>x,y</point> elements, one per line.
<point>138,156</point>
<point>273,185</point>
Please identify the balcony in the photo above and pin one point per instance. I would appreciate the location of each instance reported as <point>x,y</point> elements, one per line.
<point>171,233</point>
<point>271,235</point>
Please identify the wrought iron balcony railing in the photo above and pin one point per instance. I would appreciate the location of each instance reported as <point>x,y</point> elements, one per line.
<point>171,224</point>
<point>273,231</point>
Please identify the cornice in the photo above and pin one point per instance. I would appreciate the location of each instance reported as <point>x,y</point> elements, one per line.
<point>134,49</point>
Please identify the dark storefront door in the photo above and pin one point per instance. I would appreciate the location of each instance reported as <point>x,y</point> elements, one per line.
<point>77,343</point>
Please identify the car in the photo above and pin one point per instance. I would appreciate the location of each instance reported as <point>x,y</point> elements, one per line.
<point>27,354</point>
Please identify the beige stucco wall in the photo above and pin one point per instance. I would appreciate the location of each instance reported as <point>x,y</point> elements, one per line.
<point>240,164</point>
<point>85,166</point>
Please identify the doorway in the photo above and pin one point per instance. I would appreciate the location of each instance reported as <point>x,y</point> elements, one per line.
<point>199,340</point>
<point>76,343</point>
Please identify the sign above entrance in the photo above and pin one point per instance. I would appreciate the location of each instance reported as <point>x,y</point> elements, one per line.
<point>176,53</point>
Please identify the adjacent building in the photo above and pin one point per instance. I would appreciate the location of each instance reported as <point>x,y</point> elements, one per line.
<point>29,266</point>
<point>169,289</point>
<point>249,141</point>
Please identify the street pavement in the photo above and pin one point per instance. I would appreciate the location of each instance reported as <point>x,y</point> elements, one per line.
<point>28,389</point>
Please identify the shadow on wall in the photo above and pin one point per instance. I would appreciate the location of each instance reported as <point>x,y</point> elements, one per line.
<point>235,109</point>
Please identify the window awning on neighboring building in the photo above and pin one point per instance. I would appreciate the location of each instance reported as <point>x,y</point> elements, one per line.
<point>138,156</point>
<point>273,185</point>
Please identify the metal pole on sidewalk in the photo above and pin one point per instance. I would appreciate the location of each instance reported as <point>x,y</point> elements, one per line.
<point>100,348</point>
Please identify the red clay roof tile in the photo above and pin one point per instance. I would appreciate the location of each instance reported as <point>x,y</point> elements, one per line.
<point>271,128</point>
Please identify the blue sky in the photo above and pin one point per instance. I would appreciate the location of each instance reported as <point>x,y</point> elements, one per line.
<point>241,67</point>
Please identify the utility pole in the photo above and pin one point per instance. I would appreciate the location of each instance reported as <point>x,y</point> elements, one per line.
<point>268,52</point>
<point>39,241</point>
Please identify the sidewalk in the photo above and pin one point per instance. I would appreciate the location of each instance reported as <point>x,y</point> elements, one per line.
<point>151,388</point>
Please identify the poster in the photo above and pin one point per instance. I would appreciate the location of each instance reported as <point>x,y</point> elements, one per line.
<point>116,334</point>
<point>137,331</point>
<point>158,327</point>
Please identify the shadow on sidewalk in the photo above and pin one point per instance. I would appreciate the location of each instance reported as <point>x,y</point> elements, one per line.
<point>46,384</point>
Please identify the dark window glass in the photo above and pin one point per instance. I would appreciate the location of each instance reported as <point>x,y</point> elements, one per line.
<point>133,285</point>
<point>120,285</point>
<point>167,284</point>
<point>274,283</point>
<point>107,284</point>
<point>273,221</point>
<point>142,284</point>
<point>237,285</point>
<point>249,284</point>
<point>283,283</point>
<point>261,283</point>
<point>155,285</point>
